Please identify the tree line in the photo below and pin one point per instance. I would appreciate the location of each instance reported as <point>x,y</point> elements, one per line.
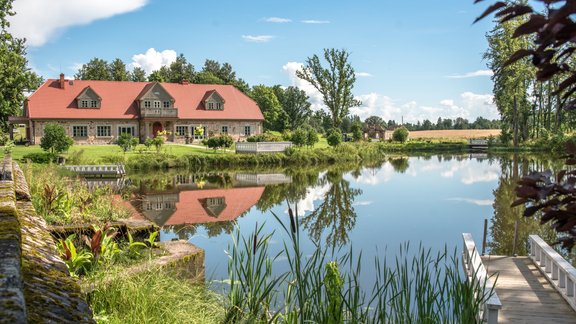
<point>441,124</point>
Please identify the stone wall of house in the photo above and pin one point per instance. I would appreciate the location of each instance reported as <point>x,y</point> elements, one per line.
<point>92,130</point>
<point>35,285</point>
<point>235,129</point>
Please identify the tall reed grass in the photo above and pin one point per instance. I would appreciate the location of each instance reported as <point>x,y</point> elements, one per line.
<point>418,286</point>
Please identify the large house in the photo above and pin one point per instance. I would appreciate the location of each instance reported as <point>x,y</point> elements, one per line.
<point>97,112</point>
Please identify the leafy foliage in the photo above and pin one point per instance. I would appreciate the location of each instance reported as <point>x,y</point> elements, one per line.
<point>127,142</point>
<point>334,82</point>
<point>264,137</point>
<point>334,137</point>
<point>55,139</point>
<point>219,141</point>
<point>274,116</point>
<point>295,104</point>
<point>400,134</point>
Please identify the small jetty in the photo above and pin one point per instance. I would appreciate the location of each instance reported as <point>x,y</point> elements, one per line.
<point>477,144</point>
<point>539,288</point>
<point>101,171</point>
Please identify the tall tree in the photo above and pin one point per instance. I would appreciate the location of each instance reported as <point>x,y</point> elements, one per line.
<point>178,71</point>
<point>15,76</point>
<point>95,69</point>
<point>118,71</point>
<point>335,82</point>
<point>375,121</point>
<point>138,75</point>
<point>511,81</point>
<point>295,104</point>
<point>274,115</point>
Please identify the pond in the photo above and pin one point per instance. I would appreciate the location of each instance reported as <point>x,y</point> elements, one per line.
<point>428,200</point>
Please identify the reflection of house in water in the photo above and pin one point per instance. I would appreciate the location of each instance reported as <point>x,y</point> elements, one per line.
<point>114,183</point>
<point>199,206</point>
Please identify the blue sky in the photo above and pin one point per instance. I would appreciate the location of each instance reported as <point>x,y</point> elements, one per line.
<point>414,59</point>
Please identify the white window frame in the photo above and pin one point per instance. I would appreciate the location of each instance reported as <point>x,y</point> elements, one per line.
<point>83,103</point>
<point>224,129</point>
<point>93,103</point>
<point>133,127</point>
<point>167,104</point>
<point>75,127</point>
<point>186,132</point>
<point>98,127</point>
<point>147,104</point>
<point>210,106</point>
<point>249,129</point>
<point>157,104</point>
<point>219,106</point>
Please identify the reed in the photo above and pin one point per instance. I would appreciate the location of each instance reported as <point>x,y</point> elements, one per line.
<point>418,286</point>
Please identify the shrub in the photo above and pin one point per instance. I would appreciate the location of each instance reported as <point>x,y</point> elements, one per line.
<point>127,142</point>
<point>299,137</point>
<point>40,157</point>
<point>334,137</point>
<point>216,142</point>
<point>264,137</point>
<point>357,132</point>
<point>55,139</point>
<point>400,134</point>
<point>311,137</point>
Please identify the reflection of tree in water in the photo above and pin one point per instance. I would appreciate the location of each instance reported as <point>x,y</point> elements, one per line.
<point>217,228</point>
<point>183,231</point>
<point>505,217</point>
<point>336,212</point>
<point>294,191</point>
<point>400,164</point>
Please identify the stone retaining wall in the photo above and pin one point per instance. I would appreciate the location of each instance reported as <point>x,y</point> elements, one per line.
<point>35,285</point>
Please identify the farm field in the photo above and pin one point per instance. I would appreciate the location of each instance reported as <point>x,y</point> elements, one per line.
<point>455,133</point>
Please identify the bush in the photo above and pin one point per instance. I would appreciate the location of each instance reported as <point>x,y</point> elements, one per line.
<point>55,139</point>
<point>299,137</point>
<point>40,157</point>
<point>312,137</point>
<point>127,142</point>
<point>334,137</point>
<point>357,132</point>
<point>220,141</point>
<point>264,137</point>
<point>400,134</point>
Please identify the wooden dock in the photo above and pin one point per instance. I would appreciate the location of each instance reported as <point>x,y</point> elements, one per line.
<point>526,295</point>
<point>91,171</point>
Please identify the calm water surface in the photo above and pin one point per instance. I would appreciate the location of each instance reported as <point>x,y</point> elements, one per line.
<point>421,200</point>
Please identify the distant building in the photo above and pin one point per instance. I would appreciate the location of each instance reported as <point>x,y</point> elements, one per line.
<point>97,112</point>
<point>376,132</point>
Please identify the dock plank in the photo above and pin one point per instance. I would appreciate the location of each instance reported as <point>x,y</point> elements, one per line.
<point>526,295</point>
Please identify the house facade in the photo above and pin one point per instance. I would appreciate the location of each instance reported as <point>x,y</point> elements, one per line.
<point>97,112</point>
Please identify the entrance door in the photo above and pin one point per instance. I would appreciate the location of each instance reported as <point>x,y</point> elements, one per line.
<point>156,128</point>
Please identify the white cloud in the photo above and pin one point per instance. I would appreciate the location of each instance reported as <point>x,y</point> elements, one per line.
<point>477,202</point>
<point>313,21</point>
<point>478,73</point>
<point>277,20</point>
<point>312,194</point>
<point>362,74</point>
<point>371,178</point>
<point>40,21</point>
<point>362,203</point>
<point>153,60</point>
<point>316,99</point>
<point>374,104</point>
<point>257,38</point>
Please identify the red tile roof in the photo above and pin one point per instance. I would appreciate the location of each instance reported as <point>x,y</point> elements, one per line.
<point>119,101</point>
<point>189,209</point>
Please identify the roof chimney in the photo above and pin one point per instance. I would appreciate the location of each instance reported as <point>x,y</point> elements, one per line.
<point>185,82</point>
<point>62,82</point>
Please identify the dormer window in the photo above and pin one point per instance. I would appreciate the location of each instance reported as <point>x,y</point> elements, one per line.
<point>147,104</point>
<point>213,100</point>
<point>166,104</point>
<point>210,106</point>
<point>88,98</point>
<point>219,106</point>
<point>156,104</point>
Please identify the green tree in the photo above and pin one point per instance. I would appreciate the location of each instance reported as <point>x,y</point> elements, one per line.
<point>299,136</point>
<point>334,137</point>
<point>513,81</point>
<point>335,82</point>
<point>311,137</point>
<point>118,71</point>
<point>177,72</point>
<point>204,77</point>
<point>15,76</point>
<point>274,115</point>
<point>55,139</point>
<point>295,104</point>
<point>400,134</point>
<point>357,131</point>
<point>127,142</point>
<point>375,121</point>
<point>96,69</point>
<point>138,75</point>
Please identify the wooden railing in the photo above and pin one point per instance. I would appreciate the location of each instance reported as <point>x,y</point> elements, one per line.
<point>262,147</point>
<point>98,170</point>
<point>475,270</point>
<point>559,272</point>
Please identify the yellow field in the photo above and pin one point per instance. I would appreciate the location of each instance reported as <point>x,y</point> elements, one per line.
<point>455,133</point>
